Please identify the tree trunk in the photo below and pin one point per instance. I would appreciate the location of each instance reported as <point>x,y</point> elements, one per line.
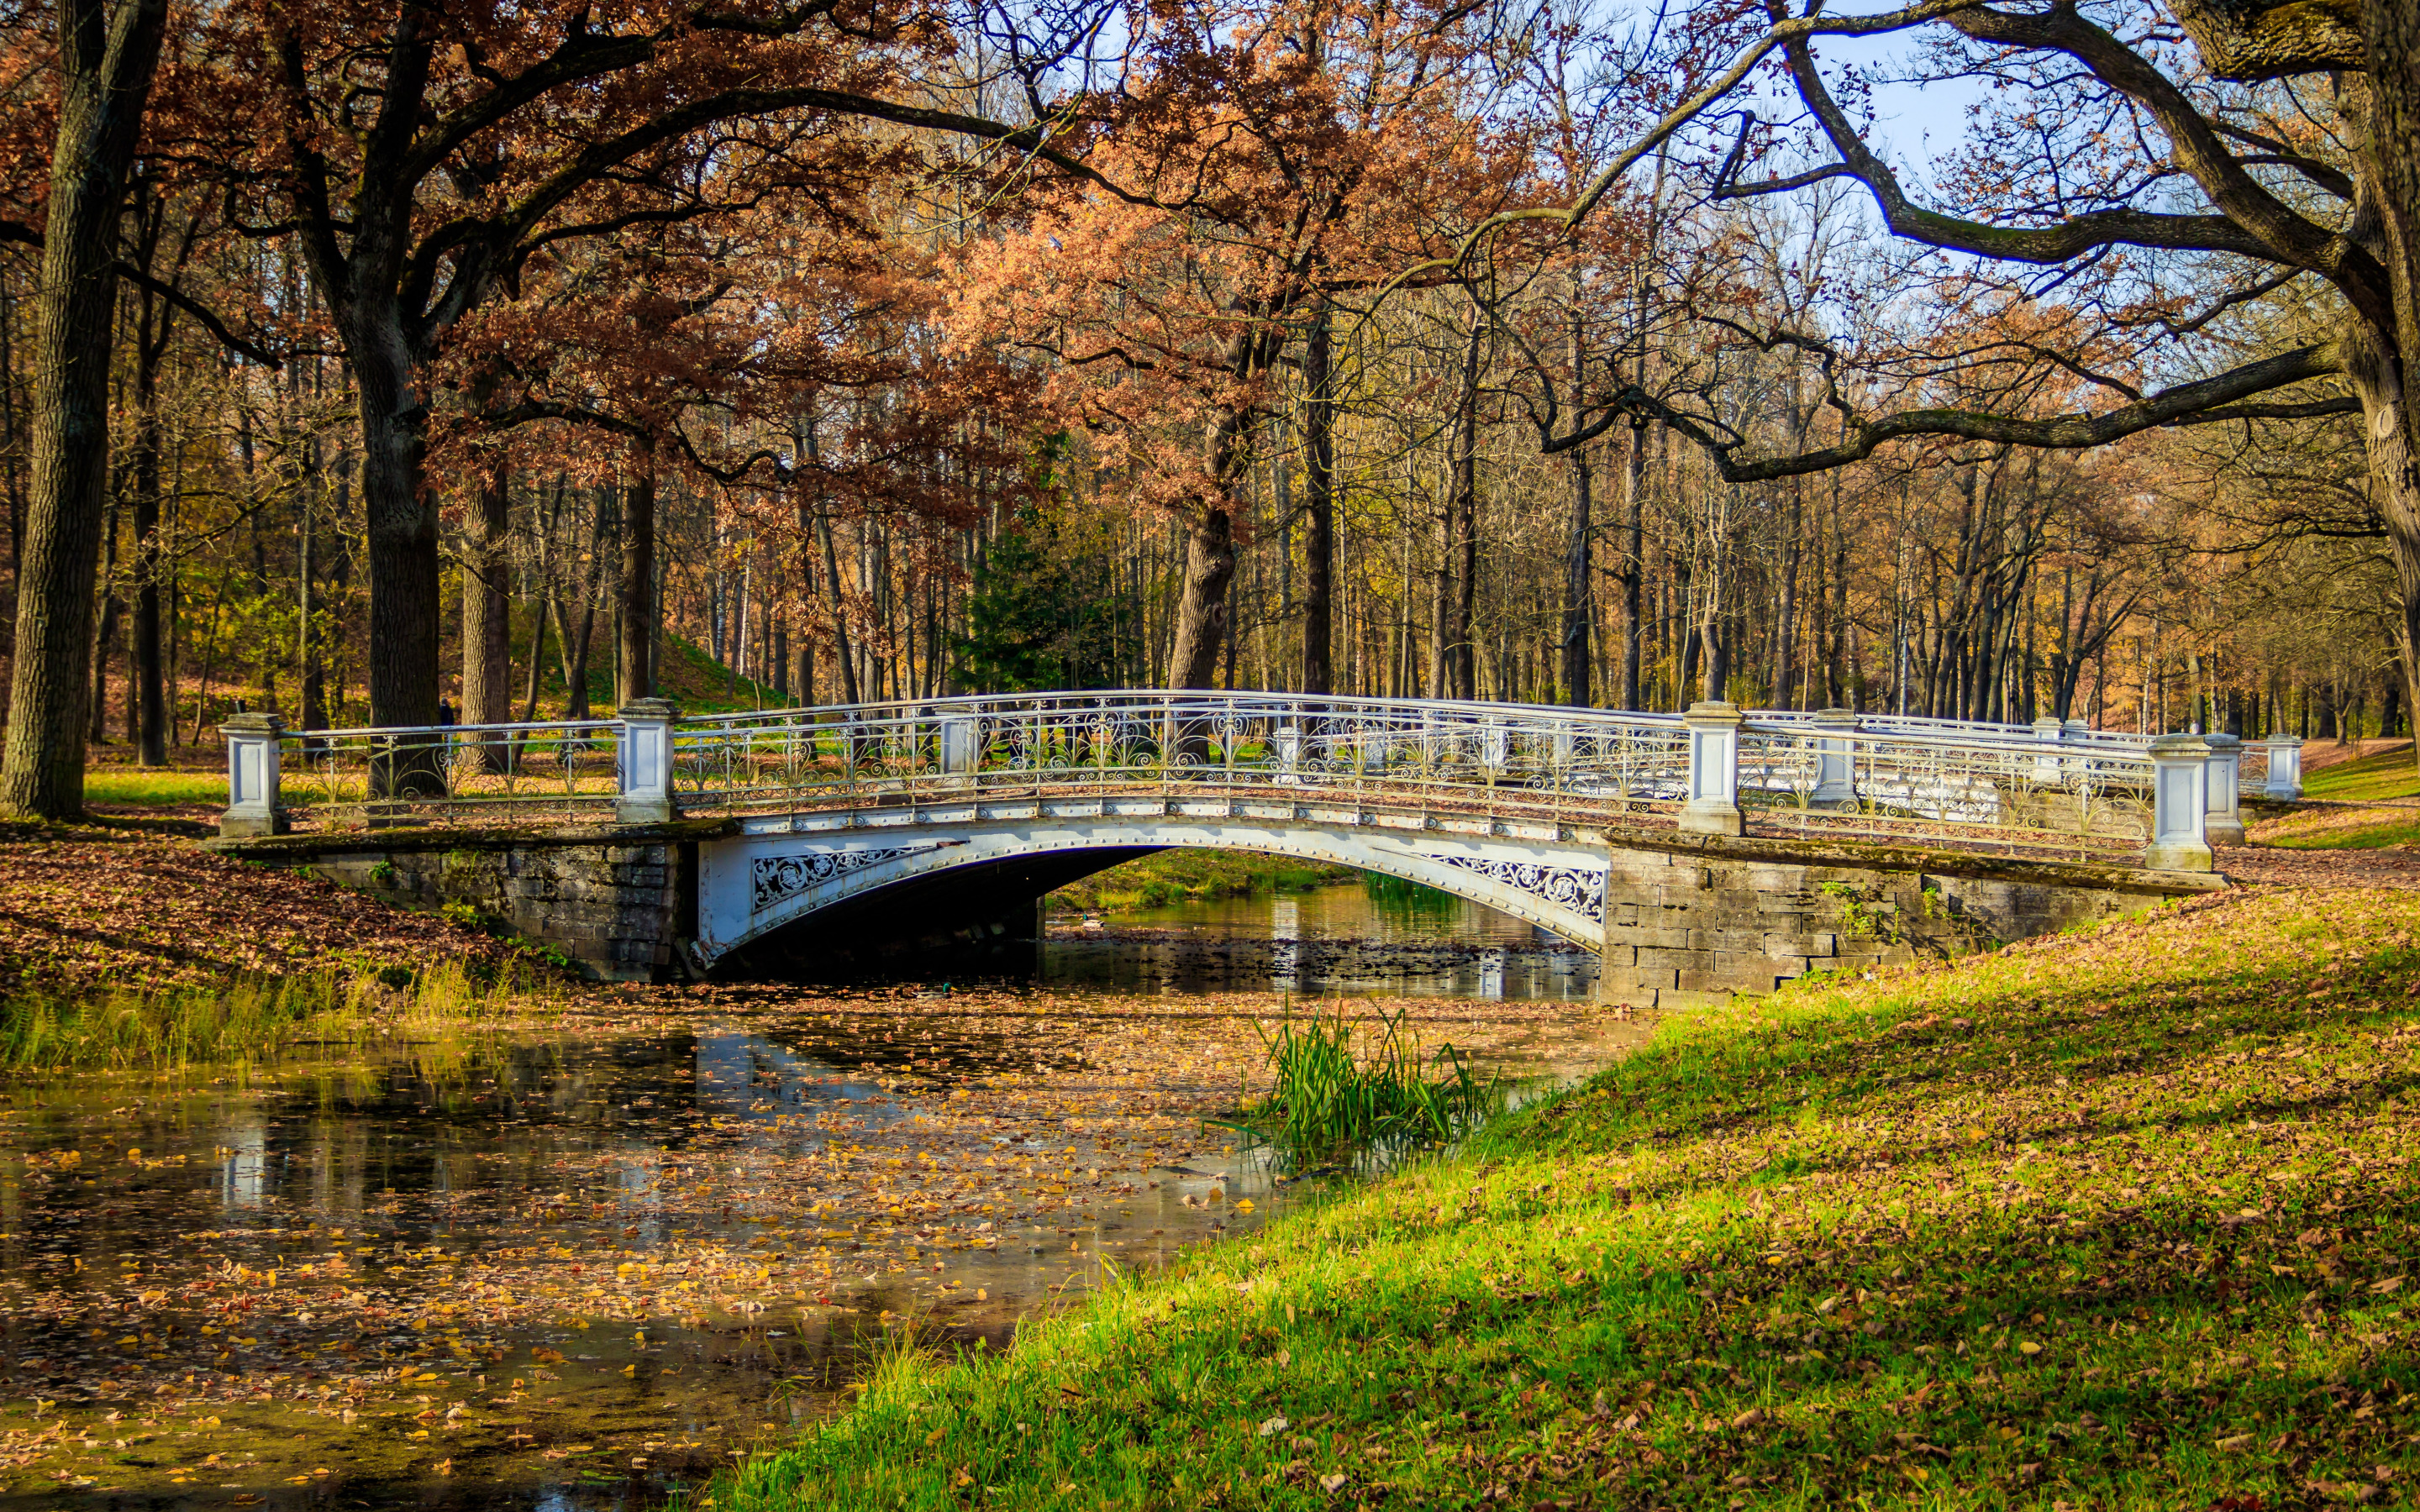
<point>541,605</point>
<point>106,59</point>
<point>105,638</point>
<point>1318,507</point>
<point>1786,694</point>
<point>1202,598</point>
<point>486,608</point>
<point>1579,571</point>
<point>406,590</point>
<point>1209,563</point>
<point>635,595</point>
<point>1461,659</point>
<point>148,666</point>
<point>1632,574</point>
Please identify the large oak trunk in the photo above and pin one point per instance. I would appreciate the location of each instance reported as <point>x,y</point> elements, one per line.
<point>1201,603</point>
<point>1579,574</point>
<point>404,571</point>
<point>106,63</point>
<point>1202,598</point>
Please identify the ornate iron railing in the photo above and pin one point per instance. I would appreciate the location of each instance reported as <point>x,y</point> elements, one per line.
<point>1940,783</point>
<point>559,769</point>
<point>2019,794</point>
<point>1503,759</point>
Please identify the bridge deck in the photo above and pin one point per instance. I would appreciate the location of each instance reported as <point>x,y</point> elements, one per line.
<point>2054,791</point>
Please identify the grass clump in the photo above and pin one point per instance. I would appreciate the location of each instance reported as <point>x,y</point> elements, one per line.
<point>2124,1221</point>
<point>248,1018</point>
<point>1336,1090</point>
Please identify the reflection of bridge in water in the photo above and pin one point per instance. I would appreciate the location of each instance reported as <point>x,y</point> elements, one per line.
<point>810,829</point>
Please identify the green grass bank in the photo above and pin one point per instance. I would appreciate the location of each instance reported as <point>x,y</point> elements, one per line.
<point>2122,1219</point>
<point>132,1028</point>
<point>1175,876</point>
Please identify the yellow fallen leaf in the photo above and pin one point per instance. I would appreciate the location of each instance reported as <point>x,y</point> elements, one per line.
<point>2029,1347</point>
<point>1244,1206</point>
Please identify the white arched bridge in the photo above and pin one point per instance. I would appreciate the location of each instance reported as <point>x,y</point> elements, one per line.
<point>838,821</point>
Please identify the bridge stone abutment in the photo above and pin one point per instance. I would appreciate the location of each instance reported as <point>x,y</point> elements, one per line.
<point>617,900</point>
<point>1680,920</point>
<point>1690,919</point>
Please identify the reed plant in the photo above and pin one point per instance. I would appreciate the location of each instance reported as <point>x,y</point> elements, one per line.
<point>163,1029</point>
<point>1339,1087</point>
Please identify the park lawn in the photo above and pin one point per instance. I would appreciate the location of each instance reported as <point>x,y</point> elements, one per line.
<point>2385,774</point>
<point>2119,1219</point>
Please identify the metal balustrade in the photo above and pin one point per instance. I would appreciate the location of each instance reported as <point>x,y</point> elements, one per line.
<point>2040,790</point>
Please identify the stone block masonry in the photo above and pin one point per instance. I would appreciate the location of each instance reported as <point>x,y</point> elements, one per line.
<point>619,900</point>
<point>1692,920</point>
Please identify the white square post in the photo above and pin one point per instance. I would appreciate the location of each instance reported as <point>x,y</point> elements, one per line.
<point>1714,806</point>
<point>1285,743</point>
<point>961,750</point>
<point>2047,766</point>
<point>2180,805</point>
<point>2226,826</point>
<point>1836,760</point>
<point>252,807</point>
<point>646,763</point>
<point>1495,748</point>
<point>2285,768</point>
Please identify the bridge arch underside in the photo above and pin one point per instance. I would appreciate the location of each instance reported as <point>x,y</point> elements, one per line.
<point>781,902</point>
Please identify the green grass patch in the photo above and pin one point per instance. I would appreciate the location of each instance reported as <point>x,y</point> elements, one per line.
<point>2125,1220</point>
<point>250,1018</point>
<point>154,789</point>
<point>1175,876</point>
<point>2386,774</point>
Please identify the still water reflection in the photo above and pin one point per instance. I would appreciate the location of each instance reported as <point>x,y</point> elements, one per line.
<point>1376,937</point>
<point>575,1267</point>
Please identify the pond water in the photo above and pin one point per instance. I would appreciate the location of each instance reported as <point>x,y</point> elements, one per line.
<point>1379,937</point>
<point>572,1265</point>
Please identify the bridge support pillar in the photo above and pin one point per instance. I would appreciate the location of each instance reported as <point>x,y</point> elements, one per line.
<point>1713,808</point>
<point>2285,768</point>
<point>252,807</point>
<point>2180,805</point>
<point>646,763</point>
<point>2225,825</point>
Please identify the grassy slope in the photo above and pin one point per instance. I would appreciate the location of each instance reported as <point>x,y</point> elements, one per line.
<point>2386,774</point>
<point>2114,1221</point>
<point>2359,829</point>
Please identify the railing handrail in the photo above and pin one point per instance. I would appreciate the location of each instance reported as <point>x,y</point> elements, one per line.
<point>509,727</point>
